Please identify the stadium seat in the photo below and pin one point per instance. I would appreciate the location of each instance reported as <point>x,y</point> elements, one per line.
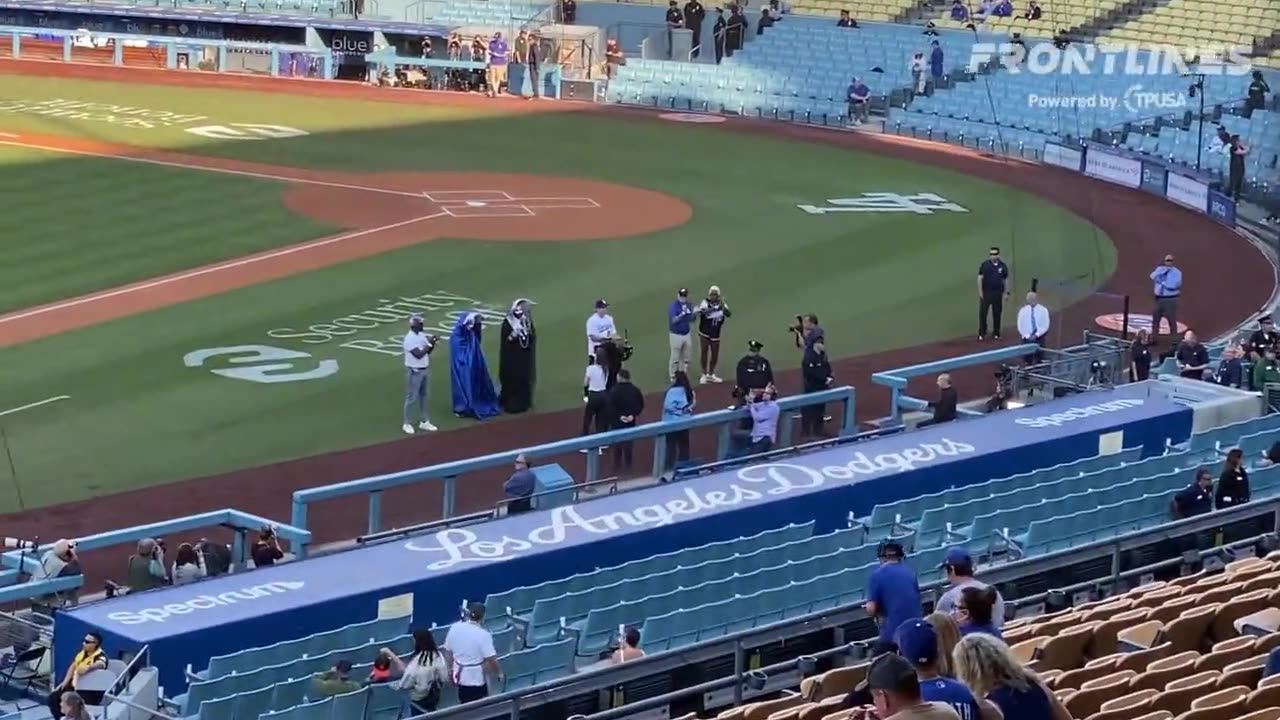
<point>834,683</point>
<point>256,702</point>
<point>1178,694</point>
<point>1140,660</point>
<point>1165,670</point>
<point>1225,704</point>
<point>1105,634</point>
<point>1246,603</point>
<point>290,693</point>
<point>1065,650</point>
<point>220,709</point>
<point>1226,653</point>
<point>1188,630</point>
<point>1091,695</point>
<point>1261,623</point>
<point>1271,713</point>
<point>1127,707</point>
<point>1244,673</point>
<point>385,703</point>
<point>1094,669</point>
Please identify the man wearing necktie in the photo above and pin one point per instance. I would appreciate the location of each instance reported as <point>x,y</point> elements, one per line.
<point>1168,286</point>
<point>1033,325</point>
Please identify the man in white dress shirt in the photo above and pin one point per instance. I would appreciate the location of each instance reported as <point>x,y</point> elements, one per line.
<point>417,359</point>
<point>1033,325</point>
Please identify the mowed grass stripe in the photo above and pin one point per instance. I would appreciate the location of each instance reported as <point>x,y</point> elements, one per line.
<point>79,225</point>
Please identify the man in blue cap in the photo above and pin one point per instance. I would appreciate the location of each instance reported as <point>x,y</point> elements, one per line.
<point>918,644</point>
<point>893,594</point>
<point>958,567</point>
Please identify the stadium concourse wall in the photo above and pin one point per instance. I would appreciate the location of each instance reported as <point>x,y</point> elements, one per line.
<point>430,575</point>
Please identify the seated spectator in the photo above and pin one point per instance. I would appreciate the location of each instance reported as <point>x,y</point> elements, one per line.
<point>426,674</point>
<point>90,657</point>
<point>930,29</point>
<point>1273,664</point>
<point>188,565</point>
<point>1233,483</point>
<point>859,101</point>
<point>381,671</point>
<point>1266,371</point>
<point>846,20</point>
<point>918,644</point>
<point>944,408</point>
<point>1140,356</point>
<point>1033,11</point>
<point>1192,357</point>
<point>986,8</point>
<point>266,550</point>
<point>613,57</point>
<point>630,647</point>
<point>959,11</point>
<point>893,594</point>
<point>1195,499</point>
<point>766,20</point>
<point>1230,370</point>
<point>896,693</point>
<point>948,632</point>
<point>995,676</point>
<point>73,707</point>
<point>1272,455</point>
<point>334,681</point>
<point>519,487</point>
<point>975,612</point>
<point>1262,338</point>
<point>146,566</point>
<point>1003,8</point>
<point>958,569</point>
<point>764,422</point>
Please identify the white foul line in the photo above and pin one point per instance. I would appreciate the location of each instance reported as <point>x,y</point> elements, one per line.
<point>206,168</point>
<point>215,268</point>
<point>28,406</point>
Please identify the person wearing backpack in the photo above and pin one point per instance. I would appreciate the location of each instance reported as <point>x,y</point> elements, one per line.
<point>425,674</point>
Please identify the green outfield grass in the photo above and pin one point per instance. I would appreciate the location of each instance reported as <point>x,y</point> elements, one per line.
<point>137,416</point>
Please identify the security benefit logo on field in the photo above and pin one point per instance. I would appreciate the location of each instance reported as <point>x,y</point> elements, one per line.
<point>918,204</point>
<point>261,364</point>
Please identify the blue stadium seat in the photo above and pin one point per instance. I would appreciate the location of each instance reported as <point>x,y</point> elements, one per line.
<point>350,705</point>
<point>220,709</point>
<point>385,703</point>
<point>256,702</point>
<point>290,693</point>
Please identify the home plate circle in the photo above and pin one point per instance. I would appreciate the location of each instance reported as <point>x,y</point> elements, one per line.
<point>476,203</point>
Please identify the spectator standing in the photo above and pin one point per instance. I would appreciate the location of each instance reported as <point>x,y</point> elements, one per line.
<point>627,403</point>
<point>754,372</point>
<point>613,57</point>
<point>989,669</point>
<point>944,408</point>
<point>1262,338</point>
<point>498,56</point>
<point>188,565</point>
<point>60,561</point>
<point>1140,356</point>
<point>469,653</point>
<point>520,48</point>
<point>533,65</point>
<point>976,611</point>
<point>629,649</point>
<point>569,11</point>
<point>1195,499</point>
<point>1257,98</point>
<point>675,21</point>
<point>1233,483</point>
<point>993,279</point>
<point>893,594</point>
<point>859,101</point>
<point>1224,137</point>
<point>1033,11</point>
<point>602,336</point>
<point>958,568</point>
<point>1033,325</point>
<point>418,346</point>
<point>936,63</point>
<point>334,681</point>
<point>1192,357</point>
<point>763,407</point>
<point>816,371</point>
<point>712,312</point>
<point>677,405</point>
<point>72,707</point>
<point>146,567</point>
<point>896,694</point>
<point>736,32</point>
<point>426,674</point>
<point>1235,178</point>
<point>917,67</point>
<point>680,332</point>
<point>1230,370</point>
<point>959,12</point>
<point>846,20</point>
<point>217,557</point>
<point>595,393</point>
<point>520,486</point>
<point>719,35</point>
<point>694,14</point>
<point>90,657</point>
<point>266,551</point>
<point>918,644</point>
<point>1266,371</point>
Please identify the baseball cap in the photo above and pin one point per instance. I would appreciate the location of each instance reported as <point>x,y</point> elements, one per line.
<point>893,673</point>
<point>917,642</point>
<point>755,345</point>
<point>682,292</point>
<point>415,318</point>
<point>957,556</point>
<point>602,303</point>
<point>1265,319</point>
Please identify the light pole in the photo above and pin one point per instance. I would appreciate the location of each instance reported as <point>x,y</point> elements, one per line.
<point>1197,89</point>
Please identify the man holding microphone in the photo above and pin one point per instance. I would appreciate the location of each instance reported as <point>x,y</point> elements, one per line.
<point>680,327</point>
<point>1167,288</point>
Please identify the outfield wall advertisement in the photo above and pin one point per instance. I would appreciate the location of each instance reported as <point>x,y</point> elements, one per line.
<point>1188,192</point>
<point>1113,168</point>
<point>1148,174</point>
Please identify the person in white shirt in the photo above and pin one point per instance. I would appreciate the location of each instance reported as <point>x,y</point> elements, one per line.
<point>469,652</point>
<point>595,387</point>
<point>602,335</point>
<point>1033,325</point>
<point>917,67</point>
<point>417,358</point>
<point>425,675</point>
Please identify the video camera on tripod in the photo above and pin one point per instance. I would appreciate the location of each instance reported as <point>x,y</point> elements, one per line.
<point>1004,389</point>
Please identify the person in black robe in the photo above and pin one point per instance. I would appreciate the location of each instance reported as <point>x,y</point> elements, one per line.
<point>517,362</point>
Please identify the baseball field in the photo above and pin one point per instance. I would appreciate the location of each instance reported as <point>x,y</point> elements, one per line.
<point>205,285</point>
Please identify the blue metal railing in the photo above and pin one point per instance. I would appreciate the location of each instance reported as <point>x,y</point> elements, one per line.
<point>896,380</point>
<point>449,472</point>
<point>28,561</point>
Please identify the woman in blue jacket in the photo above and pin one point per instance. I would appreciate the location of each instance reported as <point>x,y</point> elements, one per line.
<point>678,405</point>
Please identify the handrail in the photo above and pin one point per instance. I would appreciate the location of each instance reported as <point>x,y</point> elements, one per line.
<point>510,703</point>
<point>897,379</point>
<point>122,682</point>
<point>449,472</point>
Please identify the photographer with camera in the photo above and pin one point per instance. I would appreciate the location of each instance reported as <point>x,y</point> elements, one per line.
<point>763,406</point>
<point>266,551</point>
<point>146,566</point>
<point>807,333</point>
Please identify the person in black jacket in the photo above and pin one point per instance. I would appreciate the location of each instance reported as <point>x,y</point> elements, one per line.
<point>944,409</point>
<point>754,371</point>
<point>1140,356</point>
<point>719,31</point>
<point>1196,498</point>
<point>627,403</point>
<point>817,376</point>
<point>1233,483</point>
<point>694,14</point>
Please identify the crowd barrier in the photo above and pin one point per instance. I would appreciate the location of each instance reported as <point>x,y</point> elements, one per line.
<point>429,574</point>
<point>898,379</point>
<point>449,473</point>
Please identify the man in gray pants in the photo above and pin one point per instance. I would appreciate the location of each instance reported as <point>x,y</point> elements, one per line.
<point>1167,279</point>
<point>417,359</point>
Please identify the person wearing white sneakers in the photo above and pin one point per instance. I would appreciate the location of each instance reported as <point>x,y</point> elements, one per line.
<point>417,359</point>
<point>711,312</point>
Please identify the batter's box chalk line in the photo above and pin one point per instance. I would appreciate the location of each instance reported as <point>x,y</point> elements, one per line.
<point>487,211</point>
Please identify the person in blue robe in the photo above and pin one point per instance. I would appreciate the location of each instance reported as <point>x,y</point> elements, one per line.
<point>473,393</point>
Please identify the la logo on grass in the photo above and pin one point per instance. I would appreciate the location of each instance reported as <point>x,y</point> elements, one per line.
<point>247,131</point>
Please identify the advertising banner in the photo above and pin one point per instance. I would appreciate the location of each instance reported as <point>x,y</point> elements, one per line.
<point>1153,177</point>
<point>1113,168</point>
<point>1222,208</point>
<point>1063,156</point>
<point>1188,192</point>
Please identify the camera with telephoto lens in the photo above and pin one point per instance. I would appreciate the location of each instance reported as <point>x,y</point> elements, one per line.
<point>798,328</point>
<point>20,544</point>
<point>1004,389</point>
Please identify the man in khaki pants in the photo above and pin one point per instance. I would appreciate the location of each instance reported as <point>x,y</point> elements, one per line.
<point>680,326</point>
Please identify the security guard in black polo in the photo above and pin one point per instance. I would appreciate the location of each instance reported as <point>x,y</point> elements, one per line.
<point>1262,338</point>
<point>755,372</point>
<point>993,274</point>
<point>1197,498</point>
